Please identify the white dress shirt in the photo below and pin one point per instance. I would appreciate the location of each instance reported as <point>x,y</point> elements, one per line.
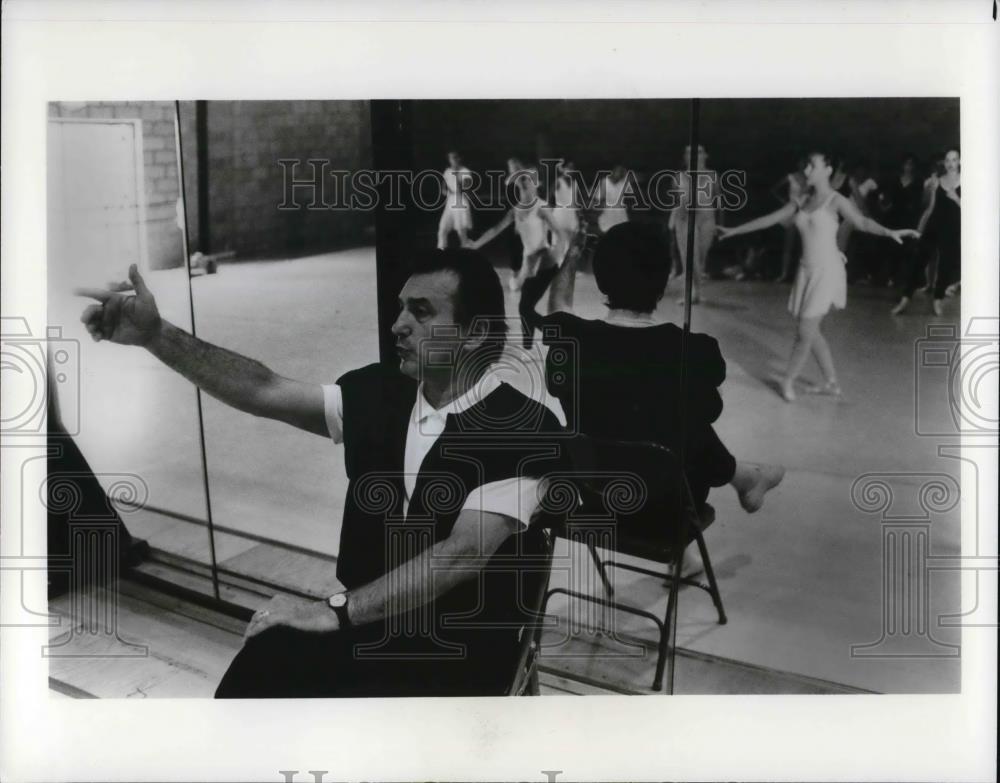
<point>515,497</point>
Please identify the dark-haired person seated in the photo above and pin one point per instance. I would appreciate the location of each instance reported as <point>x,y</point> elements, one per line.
<point>627,373</point>
<point>435,547</point>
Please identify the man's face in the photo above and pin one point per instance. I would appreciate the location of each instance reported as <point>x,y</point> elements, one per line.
<point>427,310</point>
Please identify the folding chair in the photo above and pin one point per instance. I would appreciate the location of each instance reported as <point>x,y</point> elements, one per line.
<point>654,520</point>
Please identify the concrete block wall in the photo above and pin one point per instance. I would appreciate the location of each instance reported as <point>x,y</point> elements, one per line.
<point>246,140</point>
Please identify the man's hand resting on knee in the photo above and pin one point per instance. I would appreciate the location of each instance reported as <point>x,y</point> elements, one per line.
<point>300,613</point>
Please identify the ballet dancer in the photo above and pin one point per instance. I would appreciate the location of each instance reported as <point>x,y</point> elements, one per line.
<point>907,207</point>
<point>457,216</point>
<point>821,279</point>
<point>549,265</point>
<point>512,194</point>
<point>704,220</point>
<point>941,225</point>
<point>530,217</point>
<point>612,210</point>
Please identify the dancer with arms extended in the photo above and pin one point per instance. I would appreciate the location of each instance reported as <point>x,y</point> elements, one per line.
<point>544,266</point>
<point>821,281</point>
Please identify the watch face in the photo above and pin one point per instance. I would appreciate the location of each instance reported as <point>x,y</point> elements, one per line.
<point>338,600</point>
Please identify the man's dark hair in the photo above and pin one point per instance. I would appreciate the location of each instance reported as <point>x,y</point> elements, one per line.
<point>479,297</point>
<point>632,266</point>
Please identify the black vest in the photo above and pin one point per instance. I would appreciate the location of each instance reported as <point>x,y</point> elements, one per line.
<point>504,435</point>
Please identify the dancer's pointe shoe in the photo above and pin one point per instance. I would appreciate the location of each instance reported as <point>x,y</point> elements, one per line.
<point>953,290</point>
<point>787,392</point>
<point>830,388</point>
<point>767,478</point>
<point>939,307</point>
<point>900,308</point>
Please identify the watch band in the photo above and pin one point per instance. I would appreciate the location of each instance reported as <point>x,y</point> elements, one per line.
<point>338,604</point>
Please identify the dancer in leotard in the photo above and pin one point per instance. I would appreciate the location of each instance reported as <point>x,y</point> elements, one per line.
<point>512,194</point>
<point>821,280</point>
<point>529,215</point>
<point>907,208</point>
<point>457,216</point>
<point>703,216</point>
<point>943,221</point>
<point>564,221</point>
<point>543,264</point>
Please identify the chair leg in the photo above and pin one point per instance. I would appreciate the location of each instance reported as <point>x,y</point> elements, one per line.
<point>608,589</point>
<point>661,658</point>
<point>532,688</point>
<point>710,574</point>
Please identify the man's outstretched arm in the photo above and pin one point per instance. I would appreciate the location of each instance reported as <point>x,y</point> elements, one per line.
<point>243,383</point>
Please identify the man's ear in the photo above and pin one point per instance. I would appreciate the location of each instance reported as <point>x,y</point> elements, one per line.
<point>476,335</point>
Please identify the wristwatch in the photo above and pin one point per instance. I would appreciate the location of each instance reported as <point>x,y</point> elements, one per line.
<point>338,603</point>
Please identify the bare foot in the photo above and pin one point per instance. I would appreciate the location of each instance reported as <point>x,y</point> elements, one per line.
<point>766,478</point>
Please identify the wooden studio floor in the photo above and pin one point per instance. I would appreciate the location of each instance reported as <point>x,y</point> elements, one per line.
<point>802,580</point>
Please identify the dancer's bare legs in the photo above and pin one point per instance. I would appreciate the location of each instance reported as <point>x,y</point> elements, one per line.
<point>529,268</point>
<point>445,225</point>
<point>805,336</point>
<point>704,235</point>
<point>824,358</point>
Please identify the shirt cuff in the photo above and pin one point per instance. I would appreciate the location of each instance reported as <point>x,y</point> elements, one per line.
<point>517,498</point>
<point>333,409</point>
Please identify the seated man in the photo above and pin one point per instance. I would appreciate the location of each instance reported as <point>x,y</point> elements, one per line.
<point>445,463</point>
<point>628,370</point>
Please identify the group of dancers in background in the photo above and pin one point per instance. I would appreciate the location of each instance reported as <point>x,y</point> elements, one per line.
<point>827,212</point>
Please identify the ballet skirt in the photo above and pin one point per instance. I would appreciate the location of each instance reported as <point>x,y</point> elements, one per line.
<point>821,281</point>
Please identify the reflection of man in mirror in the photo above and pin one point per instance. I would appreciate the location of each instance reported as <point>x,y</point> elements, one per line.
<point>421,451</point>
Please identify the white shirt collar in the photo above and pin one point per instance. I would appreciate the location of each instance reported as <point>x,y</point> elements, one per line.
<point>486,385</point>
<point>630,318</point>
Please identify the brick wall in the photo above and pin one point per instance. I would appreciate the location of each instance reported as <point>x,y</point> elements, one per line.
<point>246,139</point>
<point>163,237</point>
